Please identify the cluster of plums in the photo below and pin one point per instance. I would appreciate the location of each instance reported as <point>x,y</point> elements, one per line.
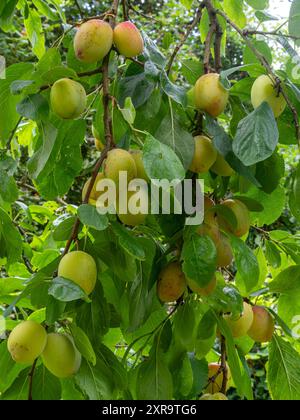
<point>29,340</point>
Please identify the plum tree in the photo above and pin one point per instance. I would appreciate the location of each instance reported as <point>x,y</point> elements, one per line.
<point>27,341</point>
<point>119,160</point>
<point>263,326</point>
<point>171,283</point>
<point>264,90</point>
<point>203,291</point>
<point>94,193</point>
<point>240,327</point>
<point>138,159</point>
<point>68,98</point>
<point>210,95</point>
<point>129,218</point>
<point>214,397</point>
<point>215,378</point>
<point>60,355</point>
<point>93,41</point>
<point>242,215</point>
<point>205,155</point>
<point>81,268</point>
<point>221,167</point>
<point>128,39</point>
<point>224,252</point>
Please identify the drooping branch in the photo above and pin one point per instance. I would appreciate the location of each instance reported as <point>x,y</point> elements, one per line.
<point>264,62</point>
<point>190,28</point>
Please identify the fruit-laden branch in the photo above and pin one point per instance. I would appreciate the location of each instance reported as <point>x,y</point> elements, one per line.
<point>224,365</point>
<point>249,32</point>
<point>107,131</point>
<point>190,28</point>
<point>267,66</point>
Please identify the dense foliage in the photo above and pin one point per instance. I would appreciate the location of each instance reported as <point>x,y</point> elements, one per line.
<point>133,307</point>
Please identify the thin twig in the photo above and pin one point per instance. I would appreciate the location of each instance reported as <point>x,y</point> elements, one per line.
<point>266,65</point>
<point>30,376</point>
<point>125,10</point>
<point>79,9</point>
<point>249,32</point>
<point>224,365</point>
<point>190,28</point>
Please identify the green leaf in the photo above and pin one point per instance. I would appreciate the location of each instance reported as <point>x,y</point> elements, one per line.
<point>270,172</point>
<point>83,344</point>
<point>35,33</point>
<point>8,114</point>
<point>46,387</point>
<point>185,316</point>
<point>234,10</point>
<point>258,4</point>
<point>287,282</point>
<point>9,369</point>
<point>294,20</point>
<point>257,136</point>
<point>17,87</point>
<point>89,216</point>
<point>199,257</point>
<point>154,380</point>
<point>128,241</point>
<point>10,239</point>
<point>284,370</point>
<point>223,144</point>
<point>63,228</point>
<point>160,161</point>
<point>246,263</point>
<point>177,93</point>
<point>57,160</point>
<point>191,69</point>
<point>249,57</point>
<point>128,111</point>
<point>251,204</point>
<point>7,13</point>
<point>66,290</point>
<point>9,190</point>
<point>34,107</point>
<point>273,254</point>
<point>136,87</point>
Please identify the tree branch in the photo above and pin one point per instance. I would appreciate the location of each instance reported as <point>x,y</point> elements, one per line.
<point>79,9</point>
<point>12,134</point>
<point>190,28</point>
<point>30,376</point>
<point>266,65</point>
<point>224,365</point>
<point>249,32</point>
<point>107,131</point>
<point>212,31</point>
<point>125,10</point>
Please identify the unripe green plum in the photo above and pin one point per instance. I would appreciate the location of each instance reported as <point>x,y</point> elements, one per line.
<point>215,386</point>
<point>203,291</point>
<point>93,41</point>
<point>224,252</point>
<point>240,327</point>
<point>131,219</point>
<point>242,215</point>
<point>205,155</point>
<point>128,39</point>
<point>68,99</point>
<point>94,193</point>
<point>81,268</point>
<point>27,342</point>
<point>60,356</point>
<point>263,326</point>
<point>264,90</point>
<point>210,95</point>
<point>171,283</point>
<point>214,397</point>
<point>119,160</point>
<point>138,159</point>
<point>221,167</point>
